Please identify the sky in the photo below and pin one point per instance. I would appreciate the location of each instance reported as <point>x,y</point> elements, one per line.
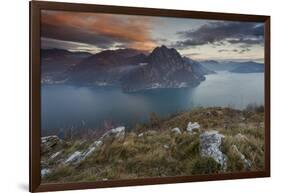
<point>195,38</point>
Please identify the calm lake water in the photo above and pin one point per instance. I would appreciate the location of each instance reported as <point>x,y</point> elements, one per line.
<point>65,106</point>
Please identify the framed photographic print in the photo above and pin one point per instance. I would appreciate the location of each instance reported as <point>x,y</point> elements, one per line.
<point>123,96</point>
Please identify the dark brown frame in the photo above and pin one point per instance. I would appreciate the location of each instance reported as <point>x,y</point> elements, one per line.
<point>34,99</point>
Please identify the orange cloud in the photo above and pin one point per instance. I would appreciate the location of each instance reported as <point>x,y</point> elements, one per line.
<point>130,31</point>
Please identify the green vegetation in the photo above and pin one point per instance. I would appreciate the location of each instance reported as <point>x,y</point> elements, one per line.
<point>152,149</point>
<point>205,166</point>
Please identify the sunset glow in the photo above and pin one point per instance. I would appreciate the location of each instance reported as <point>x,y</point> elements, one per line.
<point>194,38</point>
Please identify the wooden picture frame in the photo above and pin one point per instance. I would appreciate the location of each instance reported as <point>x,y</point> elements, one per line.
<point>35,93</point>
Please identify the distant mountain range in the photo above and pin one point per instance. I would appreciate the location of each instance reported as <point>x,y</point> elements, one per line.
<point>56,63</point>
<point>131,69</point>
<point>237,67</point>
<point>248,67</point>
<point>106,67</point>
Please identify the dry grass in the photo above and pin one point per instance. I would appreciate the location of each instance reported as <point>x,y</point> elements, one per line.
<point>161,153</point>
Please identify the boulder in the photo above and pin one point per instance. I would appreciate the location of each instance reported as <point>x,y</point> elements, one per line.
<point>210,146</point>
<point>176,130</point>
<point>247,163</point>
<point>191,127</point>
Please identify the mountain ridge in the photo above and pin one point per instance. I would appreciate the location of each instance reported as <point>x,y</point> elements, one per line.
<point>130,69</point>
<point>234,66</point>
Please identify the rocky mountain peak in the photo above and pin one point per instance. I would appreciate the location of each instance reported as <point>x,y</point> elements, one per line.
<point>164,56</point>
<point>164,52</point>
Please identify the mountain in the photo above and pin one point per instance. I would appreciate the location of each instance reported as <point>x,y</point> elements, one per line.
<point>164,68</point>
<point>198,68</point>
<point>231,66</point>
<point>56,62</point>
<point>128,68</point>
<point>218,66</point>
<point>248,67</point>
<point>106,67</point>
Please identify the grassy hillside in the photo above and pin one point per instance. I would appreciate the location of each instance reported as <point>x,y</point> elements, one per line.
<point>154,149</point>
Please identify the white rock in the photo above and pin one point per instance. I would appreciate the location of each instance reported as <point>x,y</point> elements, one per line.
<point>45,172</point>
<point>55,155</point>
<point>191,126</point>
<point>117,132</point>
<point>176,130</point>
<point>166,146</point>
<point>91,149</point>
<point>98,143</point>
<point>76,156</point>
<point>210,144</point>
<point>87,153</point>
<point>140,135</point>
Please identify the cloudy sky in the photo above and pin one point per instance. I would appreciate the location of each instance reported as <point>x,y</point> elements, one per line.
<point>195,38</point>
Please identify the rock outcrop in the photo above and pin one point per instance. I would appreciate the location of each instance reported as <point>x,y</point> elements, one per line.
<point>74,158</point>
<point>48,143</point>
<point>92,148</point>
<point>118,132</point>
<point>191,127</point>
<point>49,147</point>
<point>210,146</point>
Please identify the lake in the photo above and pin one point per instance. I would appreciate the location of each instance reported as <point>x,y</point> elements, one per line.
<point>65,106</point>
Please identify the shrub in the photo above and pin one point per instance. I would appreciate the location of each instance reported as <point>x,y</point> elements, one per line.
<point>234,163</point>
<point>205,166</point>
